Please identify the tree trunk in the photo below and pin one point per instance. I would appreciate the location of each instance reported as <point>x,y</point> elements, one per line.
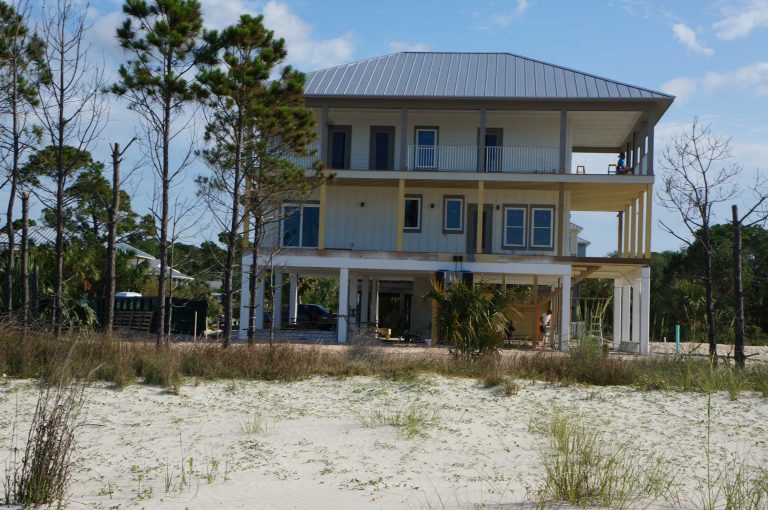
<point>162,330</point>
<point>58,289</point>
<point>738,291</point>
<point>710,301</point>
<point>109,298</point>
<point>253,277</point>
<point>16,155</point>
<point>232,234</point>
<point>34,292</point>
<point>25,262</point>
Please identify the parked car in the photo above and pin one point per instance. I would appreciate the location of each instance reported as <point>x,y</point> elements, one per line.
<point>308,316</point>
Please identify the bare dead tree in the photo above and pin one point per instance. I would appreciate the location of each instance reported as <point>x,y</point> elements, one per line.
<point>114,218</point>
<point>697,178</point>
<point>72,112</point>
<point>25,261</point>
<point>756,214</point>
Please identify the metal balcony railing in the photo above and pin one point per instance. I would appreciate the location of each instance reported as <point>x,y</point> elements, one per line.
<point>465,158</point>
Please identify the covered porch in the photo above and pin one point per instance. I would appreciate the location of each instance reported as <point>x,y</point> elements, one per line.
<point>368,279</point>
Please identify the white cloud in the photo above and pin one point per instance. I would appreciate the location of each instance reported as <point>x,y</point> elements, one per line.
<point>754,77</point>
<point>303,49</point>
<point>681,88</point>
<point>522,5</point>
<point>407,46</point>
<point>742,20</point>
<point>687,36</point>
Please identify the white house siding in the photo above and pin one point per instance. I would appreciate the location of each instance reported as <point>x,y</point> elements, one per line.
<point>352,227</point>
<point>374,225</point>
<point>520,129</point>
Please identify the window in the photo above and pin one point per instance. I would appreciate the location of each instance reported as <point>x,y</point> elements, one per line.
<point>514,227</point>
<point>426,147</point>
<point>339,140</point>
<point>542,227</point>
<point>412,220</point>
<point>453,215</point>
<point>301,225</point>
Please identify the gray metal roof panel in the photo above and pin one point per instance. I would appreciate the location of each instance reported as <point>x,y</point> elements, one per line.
<point>465,75</point>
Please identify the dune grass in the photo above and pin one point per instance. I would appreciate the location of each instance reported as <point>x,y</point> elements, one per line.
<point>123,363</point>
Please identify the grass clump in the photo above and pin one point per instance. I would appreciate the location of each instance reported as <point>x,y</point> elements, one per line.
<point>410,422</point>
<point>503,384</point>
<point>256,424</point>
<point>583,468</point>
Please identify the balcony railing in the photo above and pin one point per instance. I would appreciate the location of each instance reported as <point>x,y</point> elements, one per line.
<point>308,162</point>
<point>465,158</point>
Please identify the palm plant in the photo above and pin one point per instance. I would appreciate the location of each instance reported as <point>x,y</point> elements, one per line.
<point>473,319</point>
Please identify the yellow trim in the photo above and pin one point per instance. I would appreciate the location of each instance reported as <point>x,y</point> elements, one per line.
<point>626,231</point>
<point>648,216</point>
<point>400,213</point>
<point>479,225</point>
<point>323,209</point>
<point>640,225</point>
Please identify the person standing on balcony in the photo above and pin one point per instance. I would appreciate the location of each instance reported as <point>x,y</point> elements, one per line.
<point>621,165</point>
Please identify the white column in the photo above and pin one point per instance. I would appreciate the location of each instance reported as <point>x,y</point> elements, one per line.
<point>277,301</point>
<point>364,289</point>
<point>645,310</point>
<point>259,309</point>
<point>375,302</point>
<point>293,298</point>
<point>565,312</point>
<point>245,302</point>
<point>636,311</point>
<point>616,314</point>
<point>343,304</point>
<point>352,304</point>
<point>625,295</point>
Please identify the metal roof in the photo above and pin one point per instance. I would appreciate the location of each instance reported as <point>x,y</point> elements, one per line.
<point>466,75</point>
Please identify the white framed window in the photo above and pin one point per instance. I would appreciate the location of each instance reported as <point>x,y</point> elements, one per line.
<point>514,226</point>
<point>301,225</point>
<point>542,227</point>
<point>412,213</point>
<point>453,214</point>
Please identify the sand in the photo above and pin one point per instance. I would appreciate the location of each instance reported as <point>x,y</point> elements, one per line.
<point>475,446</point>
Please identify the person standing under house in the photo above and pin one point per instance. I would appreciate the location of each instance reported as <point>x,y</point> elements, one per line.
<point>544,322</point>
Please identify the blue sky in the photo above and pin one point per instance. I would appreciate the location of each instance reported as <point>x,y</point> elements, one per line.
<point>711,54</point>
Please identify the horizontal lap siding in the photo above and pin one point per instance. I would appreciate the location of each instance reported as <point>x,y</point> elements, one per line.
<point>350,226</point>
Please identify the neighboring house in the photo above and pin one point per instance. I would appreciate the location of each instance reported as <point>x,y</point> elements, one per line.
<point>141,257</point>
<point>420,142</point>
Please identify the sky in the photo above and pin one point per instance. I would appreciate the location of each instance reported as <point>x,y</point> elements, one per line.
<point>710,54</point>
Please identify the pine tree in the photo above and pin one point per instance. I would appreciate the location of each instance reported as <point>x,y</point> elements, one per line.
<point>162,40</point>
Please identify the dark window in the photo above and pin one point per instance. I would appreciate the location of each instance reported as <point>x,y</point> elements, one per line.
<point>514,226</point>
<point>338,149</point>
<point>412,213</point>
<point>310,226</point>
<point>291,222</point>
<point>542,228</point>
<point>301,225</point>
<point>381,151</point>
<point>453,214</point>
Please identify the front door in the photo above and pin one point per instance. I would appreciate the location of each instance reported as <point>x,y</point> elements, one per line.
<point>493,149</point>
<point>382,148</point>
<point>426,148</point>
<point>487,227</point>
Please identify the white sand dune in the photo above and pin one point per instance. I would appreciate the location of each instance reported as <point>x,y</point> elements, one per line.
<point>476,446</point>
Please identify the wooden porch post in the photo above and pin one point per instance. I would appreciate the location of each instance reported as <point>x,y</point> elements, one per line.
<point>651,127</point>
<point>322,216</point>
<point>324,135</point>
<point>403,138</point>
<point>648,217</point>
<point>479,226</point>
<point>481,143</point>
<point>633,234</point>
<point>639,252</point>
<point>627,226</point>
<point>563,140</point>
<point>400,213</point>
<point>620,235</point>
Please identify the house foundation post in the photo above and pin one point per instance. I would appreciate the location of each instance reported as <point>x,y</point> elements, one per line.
<point>565,312</point>
<point>375,302</point>
<point>351,310</point>
<point>364,302</point>
<point>293,298</point>
<point>625,297</point>
<point>616,314</point>
<point>636,311</point>
<point>341,327</point>
<point>645,310</point>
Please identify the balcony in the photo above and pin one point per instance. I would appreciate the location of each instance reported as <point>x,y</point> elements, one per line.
<point>466,158</point>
